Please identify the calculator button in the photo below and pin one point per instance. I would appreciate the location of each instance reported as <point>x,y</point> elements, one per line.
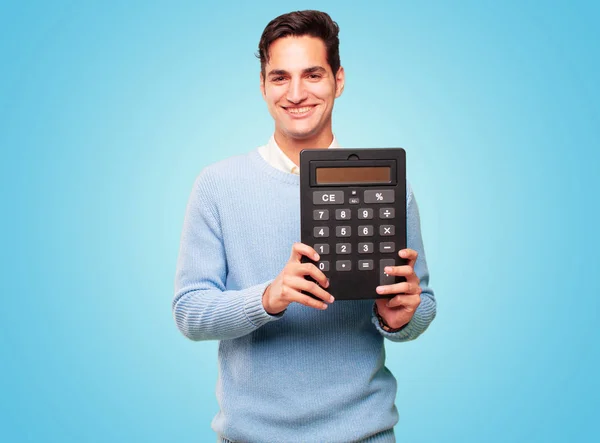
<point>389,246</point>
<point>343,265</point>
<point>386,230</point>
<point>328,197</point>
<point>321,231</point>
<point>365,213</point>
<point>365,248</point>
<point>323,266</point>
<point>342,231</point>
<point>381,196</point>
<point>354,200</point>
<point>321,214</point>
<point>322,248</point>
<point>365,231</point>
<point>365,265</point>
<point>343,248</point>
<point>386,213</point>
<point>342,214</point>
<point>385,279</point>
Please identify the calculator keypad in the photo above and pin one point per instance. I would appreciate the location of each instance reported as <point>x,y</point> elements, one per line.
<point>375,209</point>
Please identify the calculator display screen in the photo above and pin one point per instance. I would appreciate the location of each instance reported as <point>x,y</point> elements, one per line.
<point>363,174</point>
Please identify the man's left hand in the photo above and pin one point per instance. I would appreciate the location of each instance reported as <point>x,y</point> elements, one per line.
<point>399,310</point>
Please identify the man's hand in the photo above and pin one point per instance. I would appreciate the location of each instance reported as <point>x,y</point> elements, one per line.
<point>287,286</point>
<point>399,310</point>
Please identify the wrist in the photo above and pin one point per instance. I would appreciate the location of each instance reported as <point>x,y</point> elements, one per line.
<point>266,306</point>
<point>383,324</point>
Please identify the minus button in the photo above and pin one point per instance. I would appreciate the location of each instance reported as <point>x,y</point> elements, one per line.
<point>389,246</point>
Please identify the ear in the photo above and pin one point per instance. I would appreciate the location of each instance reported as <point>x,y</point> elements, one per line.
<point>339,82</point>
<point>262,86</point>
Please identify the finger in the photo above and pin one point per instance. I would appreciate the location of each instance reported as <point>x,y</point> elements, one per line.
<point>409,254</point>
<point>400,271</point>
<point>292,295</point>
<point>404,288</point>
<point>300,249</point>
<point>409,302</point>
<point>302,284</point>
<point>403,271</point>
<point>310,269</point>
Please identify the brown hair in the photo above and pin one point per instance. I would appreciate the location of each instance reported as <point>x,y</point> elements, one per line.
<point>313,23</point>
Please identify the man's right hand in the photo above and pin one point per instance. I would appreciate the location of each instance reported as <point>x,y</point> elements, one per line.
<point>287,286</point>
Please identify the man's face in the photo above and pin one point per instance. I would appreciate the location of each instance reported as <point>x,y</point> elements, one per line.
<point>300,88</point>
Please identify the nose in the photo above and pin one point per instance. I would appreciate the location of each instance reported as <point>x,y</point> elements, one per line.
<point>296,92</point>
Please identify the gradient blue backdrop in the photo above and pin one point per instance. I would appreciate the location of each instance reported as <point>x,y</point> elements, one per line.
<point>108,111</point>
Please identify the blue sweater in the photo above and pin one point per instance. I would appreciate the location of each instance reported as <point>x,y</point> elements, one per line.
<point>302,375</point>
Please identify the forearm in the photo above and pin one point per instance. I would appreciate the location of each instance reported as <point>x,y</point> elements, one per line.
<point>211,314</point>
<point>203,307</point>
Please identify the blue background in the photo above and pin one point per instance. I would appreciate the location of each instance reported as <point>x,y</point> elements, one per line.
<point>108,111</point>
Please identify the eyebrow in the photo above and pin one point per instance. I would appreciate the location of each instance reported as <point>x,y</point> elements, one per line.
<point>310,70</point>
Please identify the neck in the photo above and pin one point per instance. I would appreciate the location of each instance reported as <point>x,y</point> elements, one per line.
<point>292,146</point>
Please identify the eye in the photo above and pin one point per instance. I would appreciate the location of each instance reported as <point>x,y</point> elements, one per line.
<point>277,79</point>
<point>314,76</point>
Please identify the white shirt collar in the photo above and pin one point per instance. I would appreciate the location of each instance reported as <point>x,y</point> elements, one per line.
<point>273,155</point>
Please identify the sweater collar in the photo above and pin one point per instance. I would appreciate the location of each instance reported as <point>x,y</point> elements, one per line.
<point>273,155</point>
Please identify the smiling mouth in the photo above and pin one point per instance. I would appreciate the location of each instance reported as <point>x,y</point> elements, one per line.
<point>300,111</point>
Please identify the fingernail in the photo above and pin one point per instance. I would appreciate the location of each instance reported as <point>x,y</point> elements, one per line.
<point>403,253</point>
<point>327,283</point>
<point>324,306</point>
<point>331,299</point>
<point>379,289</point>
<point>388,269</point>
<point>316,256</point>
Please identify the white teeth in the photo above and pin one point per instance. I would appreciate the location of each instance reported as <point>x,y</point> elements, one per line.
<point>299,110</point>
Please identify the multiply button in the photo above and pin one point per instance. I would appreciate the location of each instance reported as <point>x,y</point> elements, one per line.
<point>382,196</point>
<point>328,197</point>
<point>386,230</point>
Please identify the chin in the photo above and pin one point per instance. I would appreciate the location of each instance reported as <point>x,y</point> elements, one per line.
<point>301,134</point>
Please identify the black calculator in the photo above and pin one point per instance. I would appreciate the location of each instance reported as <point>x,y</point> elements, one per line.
<point>353,213</point>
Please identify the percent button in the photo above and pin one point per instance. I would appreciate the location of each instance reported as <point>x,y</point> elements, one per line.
<point>379,196</point>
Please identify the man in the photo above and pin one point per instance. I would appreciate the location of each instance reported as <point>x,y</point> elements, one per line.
<point>291,367</point>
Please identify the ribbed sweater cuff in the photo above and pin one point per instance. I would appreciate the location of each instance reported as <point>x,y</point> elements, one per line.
<point>253,307</point>
<point>408,332</point>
